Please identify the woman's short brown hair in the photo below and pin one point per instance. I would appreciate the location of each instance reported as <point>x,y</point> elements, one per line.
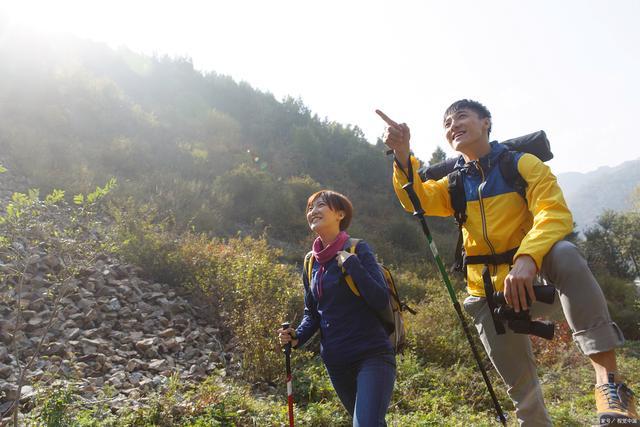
<point>336,202</point>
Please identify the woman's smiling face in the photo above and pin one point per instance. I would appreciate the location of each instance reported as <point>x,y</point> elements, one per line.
<point>321,218</point>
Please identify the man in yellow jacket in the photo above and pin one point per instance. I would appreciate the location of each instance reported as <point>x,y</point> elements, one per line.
<point>527,236</point>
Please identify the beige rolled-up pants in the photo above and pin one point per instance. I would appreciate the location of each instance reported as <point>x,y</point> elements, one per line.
<point>585,309</point>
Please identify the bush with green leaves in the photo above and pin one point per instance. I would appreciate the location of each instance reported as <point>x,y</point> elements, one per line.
<point>251,290</point>
<point>623,299</point>
<point>69,237</point>
<point>435,333</point>
<point>143,238</point>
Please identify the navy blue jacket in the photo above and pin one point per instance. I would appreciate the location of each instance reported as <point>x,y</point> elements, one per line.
<point>349,327</point>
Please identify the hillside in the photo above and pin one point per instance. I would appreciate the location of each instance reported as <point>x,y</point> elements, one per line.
<point>209,153</point>
<point>589,194</point>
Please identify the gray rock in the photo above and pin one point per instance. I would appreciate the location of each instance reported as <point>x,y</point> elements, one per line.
<point>135,335</point>
<point>90,316</point>
<point>27,393</point>
<point>146,344</point>
<point>85,304</point>
<point>5,371</point>
<point>136,377</point>
<point>28,314</point>
<point>73,333</point>
<point>159,380</point>
<point>88,388</point>
<point>135,364</point>
<point>114,304</point>
<point>91,333</point>
<point>172,345</point>
<point>51,261</point>
<point>3,409</point>
<point>197,371</point>
<point>117,379</point>
<point>167,333</point>
<point>36,375</point>
<point>158,365</point>
<point>8,389</point>
<point>145,383</point>
<point>55,348</point>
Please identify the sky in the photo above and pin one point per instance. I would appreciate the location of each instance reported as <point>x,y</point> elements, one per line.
<point>568,67</point>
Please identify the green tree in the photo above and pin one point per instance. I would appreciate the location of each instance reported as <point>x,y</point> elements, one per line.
<point>612,244</point>
<point>437,156</point>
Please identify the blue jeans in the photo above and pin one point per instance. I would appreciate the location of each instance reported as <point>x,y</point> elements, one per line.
<point>364,388</point>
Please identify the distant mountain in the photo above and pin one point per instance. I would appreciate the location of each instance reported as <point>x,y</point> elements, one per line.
<point>589,194</point>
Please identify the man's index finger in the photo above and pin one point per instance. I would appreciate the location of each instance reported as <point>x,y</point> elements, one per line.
<point>386,118</point>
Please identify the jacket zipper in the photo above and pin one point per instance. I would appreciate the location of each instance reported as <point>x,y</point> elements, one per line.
<point>485,233</point>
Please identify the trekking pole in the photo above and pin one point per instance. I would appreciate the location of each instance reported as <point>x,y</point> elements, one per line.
<point>418,212</point>
<point>287,354</point>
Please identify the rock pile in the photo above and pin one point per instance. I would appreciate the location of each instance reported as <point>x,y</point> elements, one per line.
<point>111,328</point>
<point>104,326</point>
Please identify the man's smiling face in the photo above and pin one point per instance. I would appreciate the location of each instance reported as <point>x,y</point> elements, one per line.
<point>464,129</point>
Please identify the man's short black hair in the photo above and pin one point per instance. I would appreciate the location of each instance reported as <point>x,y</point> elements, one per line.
<point>469,104</point>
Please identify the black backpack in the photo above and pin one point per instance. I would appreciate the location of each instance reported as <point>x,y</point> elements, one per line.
<point>534,143</point>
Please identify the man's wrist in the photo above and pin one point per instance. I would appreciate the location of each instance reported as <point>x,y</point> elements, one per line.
<point>524,257</point>
<point>402,158</point>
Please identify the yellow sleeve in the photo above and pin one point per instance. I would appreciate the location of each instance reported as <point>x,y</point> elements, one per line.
<point>433,195</point>
<point>552,220</point>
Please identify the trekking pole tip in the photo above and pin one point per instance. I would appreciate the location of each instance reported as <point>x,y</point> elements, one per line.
<point>503,419</point>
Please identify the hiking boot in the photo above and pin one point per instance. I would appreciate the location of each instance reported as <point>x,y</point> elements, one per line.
<point>616,404</point>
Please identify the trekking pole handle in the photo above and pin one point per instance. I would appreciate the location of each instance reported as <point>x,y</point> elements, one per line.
<point>287,353</point>
<point>287,347</point>
<point>415,201</point>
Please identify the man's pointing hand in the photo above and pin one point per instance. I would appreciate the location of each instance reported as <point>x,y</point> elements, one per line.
<point>396,137</point>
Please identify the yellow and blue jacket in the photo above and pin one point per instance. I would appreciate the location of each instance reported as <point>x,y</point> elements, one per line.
<point>498,218</point>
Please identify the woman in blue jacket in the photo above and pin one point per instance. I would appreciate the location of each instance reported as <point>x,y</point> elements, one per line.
<point>354,345</point>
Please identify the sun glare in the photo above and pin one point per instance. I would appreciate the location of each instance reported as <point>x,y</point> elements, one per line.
<point>89,19</point>
<point>41,16</point>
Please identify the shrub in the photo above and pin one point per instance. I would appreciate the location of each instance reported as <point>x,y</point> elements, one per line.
<point>561,350</point>
<point>54,407</point>
<point>622,299</point>
<point>144,239</point>
<point>253,293</point>
<point>435,333</point>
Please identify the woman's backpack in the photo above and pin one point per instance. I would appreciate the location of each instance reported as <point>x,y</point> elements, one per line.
<point>391,316</point>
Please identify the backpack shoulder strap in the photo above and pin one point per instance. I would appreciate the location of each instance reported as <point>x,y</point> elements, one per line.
<point>458,197</point>
<point>308,266</point>
<point>509,169</point>
<point>459,205</point>
<point>350,246</point>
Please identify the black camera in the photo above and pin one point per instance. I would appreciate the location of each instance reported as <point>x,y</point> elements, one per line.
<point>521,322</point>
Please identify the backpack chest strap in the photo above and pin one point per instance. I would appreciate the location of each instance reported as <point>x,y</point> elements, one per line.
<point>497,259</point>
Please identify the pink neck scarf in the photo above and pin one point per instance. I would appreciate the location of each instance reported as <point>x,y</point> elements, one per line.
<point>324,255</point>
